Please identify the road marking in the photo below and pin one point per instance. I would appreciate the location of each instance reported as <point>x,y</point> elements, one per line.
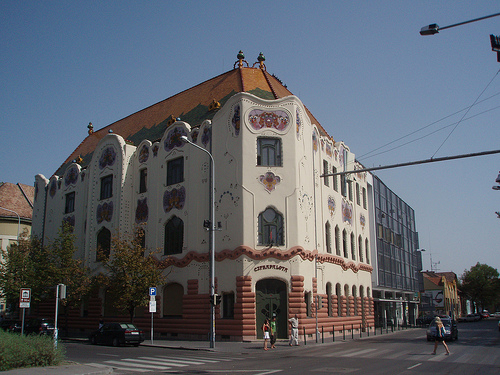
<point>359,353</point>
<point>341,353</point>
<point>398,354</point>
<point>411,367</point>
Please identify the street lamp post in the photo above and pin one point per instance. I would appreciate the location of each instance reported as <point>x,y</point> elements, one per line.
<point>434,28</point>
<point>212,239</point>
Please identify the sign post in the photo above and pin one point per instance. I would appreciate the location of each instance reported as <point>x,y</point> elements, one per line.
<point>152,307</point>
<point>24,303</point>
<point>60,294</point>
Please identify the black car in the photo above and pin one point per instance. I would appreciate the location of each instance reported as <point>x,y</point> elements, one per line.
<point>117,334</point>
<point>39,326</point>
<point>450,327</point>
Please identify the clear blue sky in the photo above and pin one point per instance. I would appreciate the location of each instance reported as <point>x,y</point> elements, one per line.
<point>361,67</point>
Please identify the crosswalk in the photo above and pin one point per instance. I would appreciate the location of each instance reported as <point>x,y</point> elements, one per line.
<point>464,354</point>
<point>159,363</point>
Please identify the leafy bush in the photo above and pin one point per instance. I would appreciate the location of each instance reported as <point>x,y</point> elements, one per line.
<point>28,351</point>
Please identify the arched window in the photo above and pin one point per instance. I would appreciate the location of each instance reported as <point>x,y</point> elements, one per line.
<point>271,228</point>
<point>355,295</point>
<point>328,239</point>
<point>338,293</point>
<point>329,296</point>
<point>172,300</point>
<point>360,248</point>
<point>344,244</point>
<point>347,304</point>
<point>103,244</point>
<point>367,251</point>
<point>337,240</point>
<point>353,247</point>
<point>174,236</point>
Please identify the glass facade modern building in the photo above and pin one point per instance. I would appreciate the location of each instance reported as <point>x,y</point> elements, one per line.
<point>395,277</point>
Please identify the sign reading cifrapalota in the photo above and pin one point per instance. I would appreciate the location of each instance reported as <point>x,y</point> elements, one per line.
<point>275,267</point>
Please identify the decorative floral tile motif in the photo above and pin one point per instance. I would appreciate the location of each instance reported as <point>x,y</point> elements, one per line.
<point>270,180</point>
<point>155,150</point>
<point>362,221</point>
<point>71,176</point>
<point>174,139</point>
<point>331,205</point>
<point>104,212</point>
<point>298,123</point>
<point>53,188</point>
<point>108,158</point>
<point>206,137</point>
<point>142,211</point>
<point>194,135</point>
<point>259,119</point>
<point>346,212</point>
<point>236,120</point>
<point>315,140</point>
<point>144,154</point>
<point>174,198</point>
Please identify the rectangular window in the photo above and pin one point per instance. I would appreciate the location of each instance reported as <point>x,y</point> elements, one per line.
<point>364,198</point>
<point>107,187</point>
<point>358,195</point>
<point>228,305</point>
<point>269,152</point>
<point>349,185</point>
<point>175,171</point>
<point>343,185</point>
<point>335,180</point>
<point>325,172</point>
<point>143,180</point>
<point>70,203</point>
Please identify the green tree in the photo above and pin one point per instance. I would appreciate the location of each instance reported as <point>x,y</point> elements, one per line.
<point>28,264</point>
<point>16,269</point>
<point>480,284</point>
<point>130,273</point>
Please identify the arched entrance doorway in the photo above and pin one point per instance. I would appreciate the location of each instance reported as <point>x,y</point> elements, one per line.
<point>271,298</point>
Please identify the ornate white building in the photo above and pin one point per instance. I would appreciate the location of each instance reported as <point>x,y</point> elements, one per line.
<point>286,234</point>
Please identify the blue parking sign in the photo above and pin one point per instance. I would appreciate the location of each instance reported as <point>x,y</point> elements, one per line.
<point>152,291</point>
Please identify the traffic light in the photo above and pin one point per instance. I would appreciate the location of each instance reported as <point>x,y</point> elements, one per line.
<point>215,299</point>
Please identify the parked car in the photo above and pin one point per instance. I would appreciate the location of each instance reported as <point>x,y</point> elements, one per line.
<point>450,327</point>
<point>39,326</point>
<point>495,314</point>
<point>13,326</point>
<point>117,334</point>
<point>485,314</point>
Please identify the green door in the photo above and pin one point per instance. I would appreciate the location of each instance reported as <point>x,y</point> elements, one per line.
<point>271,299</point>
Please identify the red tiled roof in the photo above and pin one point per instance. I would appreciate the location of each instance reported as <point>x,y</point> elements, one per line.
<point>18,198</point>
<point>191,105</point>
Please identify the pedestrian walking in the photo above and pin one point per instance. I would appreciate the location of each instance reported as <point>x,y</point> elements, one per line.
<point>266,328</point>
<point>294,330</point>
<point>440,332</point>
<point>273,331</point>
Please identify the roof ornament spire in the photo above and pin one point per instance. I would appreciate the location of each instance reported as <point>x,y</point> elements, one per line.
<point>260,60</point>
<point>241,59</point>
<point>91,128</point>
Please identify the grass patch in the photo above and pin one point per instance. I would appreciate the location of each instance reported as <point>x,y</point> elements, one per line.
<point>18,351</point>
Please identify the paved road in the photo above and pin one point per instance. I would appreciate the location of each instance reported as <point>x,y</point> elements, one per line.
<point>405,352</point>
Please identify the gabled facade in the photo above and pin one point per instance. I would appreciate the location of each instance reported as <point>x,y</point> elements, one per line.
<point>286,235</point>
<point>16,209</point>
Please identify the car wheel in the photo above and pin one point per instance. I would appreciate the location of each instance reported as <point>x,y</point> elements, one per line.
<point>116,342</point>
<point>137,344</point>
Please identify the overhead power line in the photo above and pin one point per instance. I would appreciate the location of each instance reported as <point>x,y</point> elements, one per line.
<point>431,160</point>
